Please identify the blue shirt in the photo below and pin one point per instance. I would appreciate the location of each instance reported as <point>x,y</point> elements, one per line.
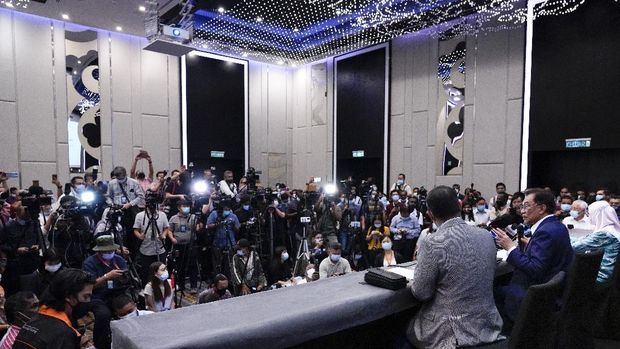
<point>95,266</point>
<point>600,240</point>
<point>410,225</point>
<point>224,234</point>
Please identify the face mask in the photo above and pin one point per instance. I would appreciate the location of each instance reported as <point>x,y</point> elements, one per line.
<point>284,256</point>
<point>599,197</point>
<point>80,188</point>
<point>395,197</point>
<point>3,263</point>
<point>400,182</point>
<point>107,256</point>
<point>130,315</point>
<point>565,207</point>
<point>80,310</point>
<point>357,257</point>
<point>226,213</point>
<point>387,246</point>
<point>246,207</point>
<point>378,225</point>
<point>574,214</point>
<point>53,268</point>
<point>240,253</point>
<point>163,276</point>
<point>220,292</point>
<point>481,208</point>
<point>309,273</point>
<point>185,210</point>
<point>334,258</point>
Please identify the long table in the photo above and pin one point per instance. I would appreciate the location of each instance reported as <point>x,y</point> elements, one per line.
<point>273,319</point>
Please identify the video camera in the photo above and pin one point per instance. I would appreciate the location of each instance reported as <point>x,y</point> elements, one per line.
<point>153,199</point>
<point>252,176</point>
<point>33,204</point>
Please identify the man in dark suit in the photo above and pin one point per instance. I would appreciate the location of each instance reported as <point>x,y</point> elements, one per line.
<point>454,279</point>
<point>545,254</point>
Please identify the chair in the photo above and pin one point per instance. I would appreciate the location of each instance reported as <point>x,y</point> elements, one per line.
<point>535,324</point>
<point>606,320</point>
<point>575,317</point>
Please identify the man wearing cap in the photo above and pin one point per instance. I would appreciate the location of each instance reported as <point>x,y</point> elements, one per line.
<point>248,275</point>
<point>108,268</point>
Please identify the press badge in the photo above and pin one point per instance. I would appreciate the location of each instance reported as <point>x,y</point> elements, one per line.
<point>110,284</point>
<point>123,200</point>
<point>183,228</point>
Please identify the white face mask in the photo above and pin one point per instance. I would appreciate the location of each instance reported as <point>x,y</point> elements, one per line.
<point>284,256</point>
<point>130,315</point>
<point>163,276</point>
<point>309,273</point>
<point>53,268</point>
<point>574,214</point>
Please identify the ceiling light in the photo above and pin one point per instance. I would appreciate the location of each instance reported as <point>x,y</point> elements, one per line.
<point>280,62</point>
<point>9,4</point>
<point>119,28</point>
<point>142,8</point>
<point>221,10</point>
<point>258,19</point>
<point>244,54</point>
<point>65,16</point>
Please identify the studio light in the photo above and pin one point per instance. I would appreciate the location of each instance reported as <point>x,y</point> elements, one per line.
<point>87,197</point>
<point>330,189</point>
<point>200,187</point>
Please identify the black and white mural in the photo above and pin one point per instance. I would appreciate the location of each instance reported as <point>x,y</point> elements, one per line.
<point>83,100</point>
<point>450,121</point>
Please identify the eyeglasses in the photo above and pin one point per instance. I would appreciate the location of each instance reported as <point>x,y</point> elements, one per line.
<point>526,207</point>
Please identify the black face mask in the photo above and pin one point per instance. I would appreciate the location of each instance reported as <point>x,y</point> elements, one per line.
<point>80,310</point>
<point>220,292</point>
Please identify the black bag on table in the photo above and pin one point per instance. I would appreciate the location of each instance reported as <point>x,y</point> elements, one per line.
<point>385,279</point>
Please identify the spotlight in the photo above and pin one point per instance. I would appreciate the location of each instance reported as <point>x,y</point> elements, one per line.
<point>119,28</point>
<point>87,197</point>
<point>221,10</point>
<point>330,189</point>
<point>142,8</point>
<point>65,16</point>
<point>200,187</point>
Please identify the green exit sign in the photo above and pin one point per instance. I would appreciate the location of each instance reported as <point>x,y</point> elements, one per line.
<point>358,153</point>
<point>217,154</point>
<point>578,143</point>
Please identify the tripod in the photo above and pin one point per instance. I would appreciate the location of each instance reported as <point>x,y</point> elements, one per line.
<point>185,255</point>
<point>155,232</point>
<point>303,254</point>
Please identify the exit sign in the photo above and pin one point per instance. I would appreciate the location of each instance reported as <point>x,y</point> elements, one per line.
<point>358,153</point>
<point>572,143</point>
<point>217,154</point>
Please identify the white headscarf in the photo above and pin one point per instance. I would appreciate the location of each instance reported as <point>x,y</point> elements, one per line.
<point>604,218</point>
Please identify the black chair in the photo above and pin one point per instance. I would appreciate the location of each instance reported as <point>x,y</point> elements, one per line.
<point>535,324</point>
<point>606,310</point>
<point>575,317</point>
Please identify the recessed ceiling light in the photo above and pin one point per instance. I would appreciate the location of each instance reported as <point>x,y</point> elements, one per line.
<point>65,16</point>
<point>221,9</point>
<point>119,28</point>
<point>9,4</point>
<point>259,19</point>
<point>142,8</point>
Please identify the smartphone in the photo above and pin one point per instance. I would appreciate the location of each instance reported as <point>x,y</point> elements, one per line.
<point>54,177</point>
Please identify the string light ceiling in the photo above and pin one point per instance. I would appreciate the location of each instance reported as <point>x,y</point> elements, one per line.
<point>302,31</point>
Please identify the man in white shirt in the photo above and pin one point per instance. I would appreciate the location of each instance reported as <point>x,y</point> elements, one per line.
<point>334,265</point>
<point>578,218</point>
<point>400,185</point>
<point>227,185</point>
<point>481,213</point>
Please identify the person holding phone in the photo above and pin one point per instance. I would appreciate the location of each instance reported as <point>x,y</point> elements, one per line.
<point>108,268</point>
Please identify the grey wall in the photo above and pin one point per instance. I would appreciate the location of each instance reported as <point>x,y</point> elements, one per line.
<point>139,100</point>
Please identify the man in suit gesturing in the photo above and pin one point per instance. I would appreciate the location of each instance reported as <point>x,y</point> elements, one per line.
<point>454,279</point>
<point>546,253</point>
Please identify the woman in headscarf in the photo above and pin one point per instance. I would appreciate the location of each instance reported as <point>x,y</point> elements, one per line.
<point>606,236</point>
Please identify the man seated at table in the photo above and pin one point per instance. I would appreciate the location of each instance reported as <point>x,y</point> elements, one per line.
<point>546,253</point>
<point>454,279</point>
<point>335,265</point>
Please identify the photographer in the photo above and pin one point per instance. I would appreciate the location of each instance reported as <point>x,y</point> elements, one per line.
<point>174,192</point>
<point>223,225</point>
<point>285,214</point>
<point>145,182</point>
<point>151,227</point>
<point>348,220</point>
<point>71,234</point>
<point>24,241</point>
<point>109,270</point>
<point>128,194</point>
<point>247,275</point>
<point>184,226</point>
<point>328,213</point>
<point>244,213</point>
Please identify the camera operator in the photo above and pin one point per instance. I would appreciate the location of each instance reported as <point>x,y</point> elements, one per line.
<point>349,215</point>
<point>285,219</point>
<point>244,213</point>
<point>24,241</point>
<point>174,192</point>
<point>109,270</point>
<point>184,226</point>
<point>127,193</point>
<point>224,225</point>
<point>228,188</point>
<point>247,276</point>
<point>328,213</point>
<point>71,234</point>
<point>151,227</point>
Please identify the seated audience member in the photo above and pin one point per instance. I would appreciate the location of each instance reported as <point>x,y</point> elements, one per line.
<point>454,279</point>
<point>19,308</point>
<point>335,265</point>
<point>217,291</point>
<point>318,252</point>
<point>107,267</point>
<point>388,256</point>
<point>125,308</point>
<point>606,236</point>
<point>566,203</point>
<point>158,291</point>
<point>548,252</point>
<point>247,274</point>
<point>311,273</point>
<point>578,216</point>
<point>481,214</point>
<point>50,268</point>
<point>280,267</point>
<point>375,234</point>
<point>357,260</point>
<point>405,232</point>
<point>467,215</point>
<point>68,293</point>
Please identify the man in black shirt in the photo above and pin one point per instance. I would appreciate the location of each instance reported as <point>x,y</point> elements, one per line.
<point>51,328</point>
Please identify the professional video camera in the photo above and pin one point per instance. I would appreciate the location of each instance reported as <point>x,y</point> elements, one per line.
<point>422,199</point>
<point>252,176</point>
<point>153,199</point>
